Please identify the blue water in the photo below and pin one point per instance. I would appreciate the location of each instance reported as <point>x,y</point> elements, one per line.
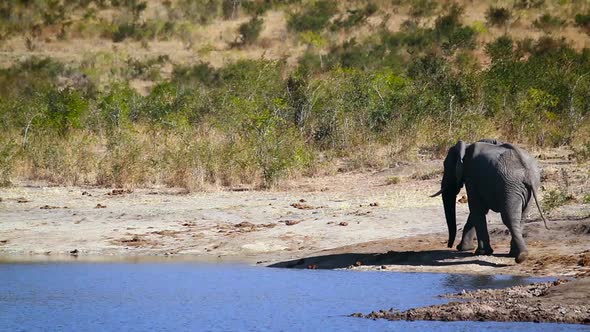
<point>217,297</point>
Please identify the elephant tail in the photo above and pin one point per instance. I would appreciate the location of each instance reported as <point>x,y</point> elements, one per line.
<point>539,207</point>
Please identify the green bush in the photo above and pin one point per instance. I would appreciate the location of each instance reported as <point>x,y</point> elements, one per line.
<point>498,16</point>
<point>250,30</point>
<point>583,21</point>
<point>314,17</point>
<point>355,17</point>
<point>555,198</point>
<point>7,154</point>
<point>64,110</point>
<point>548,22</point>
<point>422,8</point>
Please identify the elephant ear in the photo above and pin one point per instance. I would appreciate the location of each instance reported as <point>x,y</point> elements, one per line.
<point>460,153</point>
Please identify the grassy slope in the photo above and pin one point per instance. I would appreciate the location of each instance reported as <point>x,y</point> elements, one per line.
<point>211,43</point>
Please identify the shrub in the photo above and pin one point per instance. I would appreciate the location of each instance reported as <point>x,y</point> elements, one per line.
<point>422,8</point>
<point>124,30</point>
<point>528,4</point>
<point>64,109</point>
<point>229,8</point>
<point>355,17</point>
<point>7,154</point>
<point>583,21</point>
<point>250,30</point>
<point>548,22</point>
<point>498,16</point>
<point>555,198</point>
<point>314,18</point>
<point>451,33</point>
<point>392,180</point>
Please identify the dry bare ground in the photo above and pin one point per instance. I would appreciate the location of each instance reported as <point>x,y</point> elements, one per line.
<point>381,220</point>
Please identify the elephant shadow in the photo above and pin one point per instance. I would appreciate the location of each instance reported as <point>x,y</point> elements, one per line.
<point>408,258</point>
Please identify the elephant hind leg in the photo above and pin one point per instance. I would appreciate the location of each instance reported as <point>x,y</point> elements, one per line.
<point>512,219</point>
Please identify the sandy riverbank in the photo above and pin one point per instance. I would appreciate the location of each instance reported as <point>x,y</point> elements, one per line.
<point>382,221</point>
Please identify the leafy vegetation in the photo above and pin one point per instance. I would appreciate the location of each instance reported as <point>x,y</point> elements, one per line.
<point>498,16</point>
<point>359,91</point>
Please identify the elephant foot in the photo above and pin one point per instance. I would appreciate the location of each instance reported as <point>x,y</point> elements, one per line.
<point>521,257</point>
<point>466,247</point>
<point>485,252</point>
<point>512,253</point>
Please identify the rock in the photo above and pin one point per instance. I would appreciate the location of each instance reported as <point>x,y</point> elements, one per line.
<point>292,222</point>
<point>115,192</point>
<point>463,199</point>
<point>22,200</point>
<point>244,224</point>
<point>302,206</point>
<point>100,206</point>
<point>74,252</point>
<point>375,204</point>
<point>343,223</point>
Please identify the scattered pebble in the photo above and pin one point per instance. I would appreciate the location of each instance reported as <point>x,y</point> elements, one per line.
<point>22,200</point>
<point>343,223</point>
<point>292,222</point>
<point>74,252</point>
<point>100,206</point>
<point>374,204</point>
<point>115,192</point>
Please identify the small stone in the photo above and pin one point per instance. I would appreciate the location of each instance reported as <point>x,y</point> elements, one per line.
<point>343,223</point>
<point>74,252</point>
<point>374,204</point>
<point>383,267</point>
<point>100,206</point>
<point>292,222</point>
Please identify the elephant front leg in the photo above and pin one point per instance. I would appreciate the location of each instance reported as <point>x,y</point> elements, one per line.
<point>483,238</point>
<point>468,236</point>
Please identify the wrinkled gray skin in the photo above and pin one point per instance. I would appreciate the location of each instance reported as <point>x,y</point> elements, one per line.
<point>497,176</point>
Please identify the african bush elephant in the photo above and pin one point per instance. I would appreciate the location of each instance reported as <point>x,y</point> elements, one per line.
<point>498,177</point>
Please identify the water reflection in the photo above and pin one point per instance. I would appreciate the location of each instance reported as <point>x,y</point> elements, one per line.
<point>460,282</point>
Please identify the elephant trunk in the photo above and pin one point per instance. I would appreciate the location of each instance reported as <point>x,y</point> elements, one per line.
<point>449,200</point>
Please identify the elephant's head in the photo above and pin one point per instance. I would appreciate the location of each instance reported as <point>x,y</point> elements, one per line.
<point>451,185</point>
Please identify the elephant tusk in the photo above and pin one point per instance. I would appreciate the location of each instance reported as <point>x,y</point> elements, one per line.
<point>438,193</point>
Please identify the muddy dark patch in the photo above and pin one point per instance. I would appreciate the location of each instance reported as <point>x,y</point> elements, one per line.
<point>135,241</point>
<point>411,258</point>
<point>551,302</point>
